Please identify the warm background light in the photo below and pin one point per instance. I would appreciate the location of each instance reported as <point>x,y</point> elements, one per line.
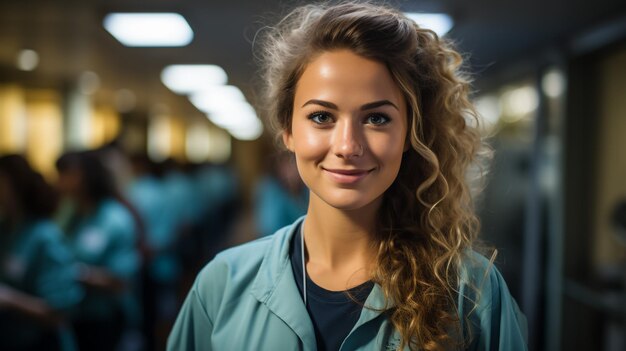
<point>44,125</point>
<point>12,119</point>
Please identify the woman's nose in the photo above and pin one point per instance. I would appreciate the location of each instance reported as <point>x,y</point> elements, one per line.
<point>348,141</point>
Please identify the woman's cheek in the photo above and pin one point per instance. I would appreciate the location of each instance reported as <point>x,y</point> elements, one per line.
<point>389,148</point>
<point>312,143</point>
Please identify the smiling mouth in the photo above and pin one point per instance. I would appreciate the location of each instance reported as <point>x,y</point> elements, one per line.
<point>347,176</point>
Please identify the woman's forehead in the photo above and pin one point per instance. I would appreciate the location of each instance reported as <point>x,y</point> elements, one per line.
<point>343,75</point>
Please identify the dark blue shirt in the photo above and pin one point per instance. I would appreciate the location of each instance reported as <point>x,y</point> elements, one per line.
<point>333,313</point>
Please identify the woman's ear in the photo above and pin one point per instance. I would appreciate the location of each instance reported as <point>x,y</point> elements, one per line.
<point>288,140</point>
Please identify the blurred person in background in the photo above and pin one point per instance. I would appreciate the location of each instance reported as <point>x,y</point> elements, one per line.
<point>104,233</point>
<point>179,193</point>
<point>281,196</point>
<point>117,161</point>
<point>217,207</point>
<point>162,267</point>
<point>37,273</point>
<point>219,192</point>
<point>178,197</point>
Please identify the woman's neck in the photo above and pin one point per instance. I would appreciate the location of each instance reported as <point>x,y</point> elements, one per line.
<point>339,243</point>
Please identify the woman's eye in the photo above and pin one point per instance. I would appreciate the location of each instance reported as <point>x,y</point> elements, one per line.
<point>377,119</point>
<point>320,117</point>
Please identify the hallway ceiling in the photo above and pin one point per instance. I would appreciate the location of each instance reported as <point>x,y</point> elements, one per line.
<point>69,37</point>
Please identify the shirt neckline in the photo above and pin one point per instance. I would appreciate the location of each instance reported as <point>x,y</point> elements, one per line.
<point>358,293</point>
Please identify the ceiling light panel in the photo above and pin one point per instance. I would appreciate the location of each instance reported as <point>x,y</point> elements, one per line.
<point>149,29</point>
<point>210,100</point>
<point>189,79</point>
<point>233,115</point>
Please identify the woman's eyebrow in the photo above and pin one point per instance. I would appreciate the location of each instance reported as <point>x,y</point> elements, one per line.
<point>367,106</point>
<point>376,104</point>
<point>321,103</point>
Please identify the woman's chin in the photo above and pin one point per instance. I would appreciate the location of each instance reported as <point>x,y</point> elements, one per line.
<point>348,202</point>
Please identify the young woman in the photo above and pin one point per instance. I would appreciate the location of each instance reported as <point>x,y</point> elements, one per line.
<point>375,110</point>
<point>37,277</point>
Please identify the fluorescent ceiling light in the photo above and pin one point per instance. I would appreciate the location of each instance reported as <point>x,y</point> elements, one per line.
<point>233,115</point>
<point>149,29</point>
<point>252,131</point>
<point>188,79</point>
<point>439,23</point>
<point>211,99</point>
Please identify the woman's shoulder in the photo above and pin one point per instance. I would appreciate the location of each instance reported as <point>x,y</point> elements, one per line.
<point>230,275</point>
<point>476,266</point>
<point>239,259</point>
<point>236,268</point>
<point>480,279</point>
<point>486,303</point>
<point>238,271</point>
<point>246,258</point>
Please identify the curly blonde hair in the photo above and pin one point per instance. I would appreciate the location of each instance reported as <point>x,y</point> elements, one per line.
<point>427,222</point>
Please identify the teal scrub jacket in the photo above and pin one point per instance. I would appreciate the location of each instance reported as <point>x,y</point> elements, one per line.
<point>247,299</point>
<point>146,194</point>
<point>37,262</point>
<point>107,239</point>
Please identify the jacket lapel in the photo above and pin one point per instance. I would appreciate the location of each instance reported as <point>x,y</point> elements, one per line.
<point>363,330</point>
<point>275,287</point>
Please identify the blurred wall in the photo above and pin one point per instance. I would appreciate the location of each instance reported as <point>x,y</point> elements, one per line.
<point>594,177</point>
<point>610,164</point>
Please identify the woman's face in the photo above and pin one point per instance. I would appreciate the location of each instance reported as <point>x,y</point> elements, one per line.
<point>349,128</point>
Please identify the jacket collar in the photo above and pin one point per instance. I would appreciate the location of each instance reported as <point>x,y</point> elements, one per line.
<point>274,286</point>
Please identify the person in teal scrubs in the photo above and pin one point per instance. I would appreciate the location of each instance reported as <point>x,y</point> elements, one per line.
<point>103,234</point>
<point>281,197</point>
<point>161,265</point>
<point>375,110</point>
<point>37,277</point>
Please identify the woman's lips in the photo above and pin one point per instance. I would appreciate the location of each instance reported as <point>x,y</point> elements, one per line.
<point>347,176</point>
